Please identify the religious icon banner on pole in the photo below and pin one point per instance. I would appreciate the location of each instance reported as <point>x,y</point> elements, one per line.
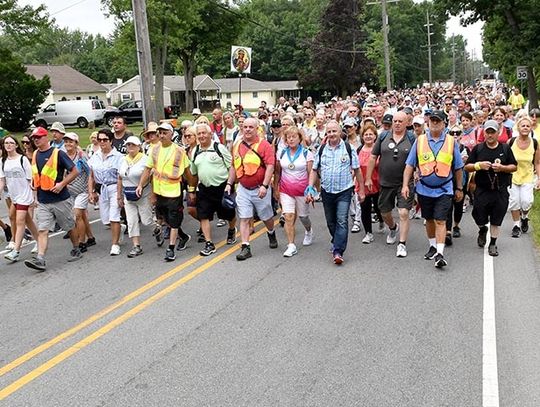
<point>240,59</point>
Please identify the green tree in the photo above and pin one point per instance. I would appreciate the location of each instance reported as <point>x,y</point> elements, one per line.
<point>22,23</point>
<point>510,34</point>
<point>20,94</point>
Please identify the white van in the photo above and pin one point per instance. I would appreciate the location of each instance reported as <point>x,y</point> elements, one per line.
<point>79,112</point>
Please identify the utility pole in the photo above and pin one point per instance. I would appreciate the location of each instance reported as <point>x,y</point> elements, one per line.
<point>429,34</point>
<point>144,59</point>
<point>453,60</point>
<point>386,46</point>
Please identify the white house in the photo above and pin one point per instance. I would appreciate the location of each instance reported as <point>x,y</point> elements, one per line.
<point>67,83</point>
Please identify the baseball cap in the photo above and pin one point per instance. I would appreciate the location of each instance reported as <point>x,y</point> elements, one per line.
<point>71,136</point>
<point>369,119</point>
<point>133,140</point>
<point>491,124</point>
<point>196,111</point>
<point>276,123</point>
<point>349,121</point>
<point>418,120</point>
<point>407,110</point>
<point>39,132</point>
<point>59,127</point>
<point>165,126</point>
<point>387,119</point>
<point>438,115</point>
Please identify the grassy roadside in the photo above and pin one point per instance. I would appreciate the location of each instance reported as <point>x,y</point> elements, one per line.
<point>534,216</point>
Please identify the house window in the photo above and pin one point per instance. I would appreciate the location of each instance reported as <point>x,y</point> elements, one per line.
<point>78,98</point>
<point>125,96</point>
<point>255,95</point>
<point>228,95</point>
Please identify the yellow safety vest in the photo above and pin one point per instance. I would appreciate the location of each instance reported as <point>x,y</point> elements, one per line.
<point>168,170</point>
<point>428,164</point>
<point>47,179</point>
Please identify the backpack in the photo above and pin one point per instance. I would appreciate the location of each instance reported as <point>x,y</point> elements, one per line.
<point>216,150</point>
<point>22,162</point>
<point>321,148</point>
<point>409,134</point>
<point>535,145</point>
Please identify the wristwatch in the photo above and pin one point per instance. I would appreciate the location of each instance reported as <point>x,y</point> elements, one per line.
<point>265,186</point>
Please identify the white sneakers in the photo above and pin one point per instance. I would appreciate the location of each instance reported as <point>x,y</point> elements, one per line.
<point>368,238</point>
<point>401,250</point>
<point>291,250</point>
<point>115,250</point>
<point>392,235</point>
<point>10,246</point>
<point>308,238</point>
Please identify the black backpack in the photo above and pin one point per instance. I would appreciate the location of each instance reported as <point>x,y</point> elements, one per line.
<point>216,150</point>
<point>535,145</point>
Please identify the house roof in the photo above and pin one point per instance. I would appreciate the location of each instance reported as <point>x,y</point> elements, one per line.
<point>65,79</point>
<point>175,83</point>
<point>230,85</point>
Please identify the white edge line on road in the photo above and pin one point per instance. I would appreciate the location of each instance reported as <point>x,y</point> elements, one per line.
<point>490,379</point>
<point>50,235</point>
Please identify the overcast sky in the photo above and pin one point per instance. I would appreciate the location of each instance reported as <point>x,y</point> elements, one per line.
<point>87,15</point>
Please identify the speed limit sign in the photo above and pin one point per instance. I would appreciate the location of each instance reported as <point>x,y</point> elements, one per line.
<point>522,73</point>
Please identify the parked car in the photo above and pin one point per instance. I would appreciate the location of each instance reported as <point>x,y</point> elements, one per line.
<point>131,111</point>
<point>69,112</point>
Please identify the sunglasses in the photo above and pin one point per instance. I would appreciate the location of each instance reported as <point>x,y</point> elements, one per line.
<point>26,141</point>
<point>102,139</point>
<point>395,155</point>
<point>454,133</point>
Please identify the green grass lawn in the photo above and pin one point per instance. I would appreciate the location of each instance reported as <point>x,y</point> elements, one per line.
<point>534,216</point>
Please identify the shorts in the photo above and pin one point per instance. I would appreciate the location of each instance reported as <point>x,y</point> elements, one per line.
<point>57,212</point>
<point>248,200</point>
<point>390,196</point>
<point>170,210</point>
<point>209,202</point>
<point>81,201</point>
<point>435,208</point>
<point>294,204</point>
<point>490,206</point>
<point>20,207</point>
<point>521,197</point>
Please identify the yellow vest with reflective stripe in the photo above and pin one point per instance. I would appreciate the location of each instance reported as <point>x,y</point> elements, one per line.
<point>428,163</point>
<point>47,179</point>
<point>168,170</point>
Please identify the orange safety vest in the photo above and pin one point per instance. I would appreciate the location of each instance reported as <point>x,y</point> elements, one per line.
<point>428,164</point>
<point>167,172</point>
<point>47,179</point>
<point>250,163</point>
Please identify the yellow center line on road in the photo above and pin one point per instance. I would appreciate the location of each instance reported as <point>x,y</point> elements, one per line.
<point>34,374</point>
<point>72,331</point>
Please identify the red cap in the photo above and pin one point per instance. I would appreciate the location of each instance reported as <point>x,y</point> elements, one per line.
<point>39,132</point>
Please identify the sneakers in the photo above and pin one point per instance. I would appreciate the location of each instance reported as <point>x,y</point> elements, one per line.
<point>91,241</point>
<point>308,238</point>
<point>431,253</point>
<point>231,236</point>
<point>12,256</point>
<point>440,261</point>
<point>368,238</point>
<point>182,242</point>
<point>220,223</point>
<point>135,251</point>
<point>291,250</point>
<point>482,236</point>
<point>245,253</point>
<point>456,231</point>
<point>492,250</point>
<point>115,250</point>
<point>83,247</point>
<point>8,233</point>
<point>158,235</point>
<point>10,246</point>
<point>356,228</point>
<point>66,235</point>
<point>36,264</point>
<point>448,240</point>
<point>170,255</point>
<point>524,225</point>
<point>401,250</point>
<point>338,259</point>
<point>380,228</point>
<point>516,231</point>
<point>209,249</point>
<point>392,235</point>
<point>35,249</point>
<point>75,254</point>
<point>166,232</point>
<point>272,240</point>
<point>123,229</point>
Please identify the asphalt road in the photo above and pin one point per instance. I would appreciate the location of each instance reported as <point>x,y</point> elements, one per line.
<point>270,331</point>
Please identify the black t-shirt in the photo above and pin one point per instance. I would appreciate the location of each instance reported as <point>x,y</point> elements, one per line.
<point>64,164</point>
<point>392,159</point>
<point>120,143</point>
<point>489,179</point>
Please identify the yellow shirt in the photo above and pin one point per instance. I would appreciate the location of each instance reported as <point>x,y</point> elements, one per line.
<point>525,167</point>
<point>165,164</point>
<point>517,101</point>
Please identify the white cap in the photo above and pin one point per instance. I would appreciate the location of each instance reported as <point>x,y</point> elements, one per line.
<point>71,136</point>
<point>166,126</point>
<point>418,120</point>
<point>133,140</point>
<point>196,111</point>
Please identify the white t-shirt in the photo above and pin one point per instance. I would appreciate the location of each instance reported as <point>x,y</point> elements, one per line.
<point>18,180</point>
<point>131,174</point>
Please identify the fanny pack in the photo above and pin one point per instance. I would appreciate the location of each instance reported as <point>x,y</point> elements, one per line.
<point>130,193</point>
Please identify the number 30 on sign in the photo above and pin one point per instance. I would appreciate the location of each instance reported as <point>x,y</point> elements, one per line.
<point>522,73</point>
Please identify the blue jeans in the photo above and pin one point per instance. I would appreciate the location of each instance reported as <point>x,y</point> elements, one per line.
<point>336,212</point>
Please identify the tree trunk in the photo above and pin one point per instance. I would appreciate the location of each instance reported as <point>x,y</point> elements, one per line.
<point>160,59</point>
<point>531,88</point>
<point>189,73</point>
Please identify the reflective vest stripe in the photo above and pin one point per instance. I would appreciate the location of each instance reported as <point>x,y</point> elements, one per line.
<point>47,179</point>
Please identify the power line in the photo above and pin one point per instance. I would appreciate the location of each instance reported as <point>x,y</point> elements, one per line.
<point>67,8</point>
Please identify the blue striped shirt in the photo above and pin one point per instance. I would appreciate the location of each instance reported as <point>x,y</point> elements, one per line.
<point>335,167</point>
<point>106,169</point>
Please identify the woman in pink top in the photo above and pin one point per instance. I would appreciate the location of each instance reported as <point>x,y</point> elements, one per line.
<point>368,136</point>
